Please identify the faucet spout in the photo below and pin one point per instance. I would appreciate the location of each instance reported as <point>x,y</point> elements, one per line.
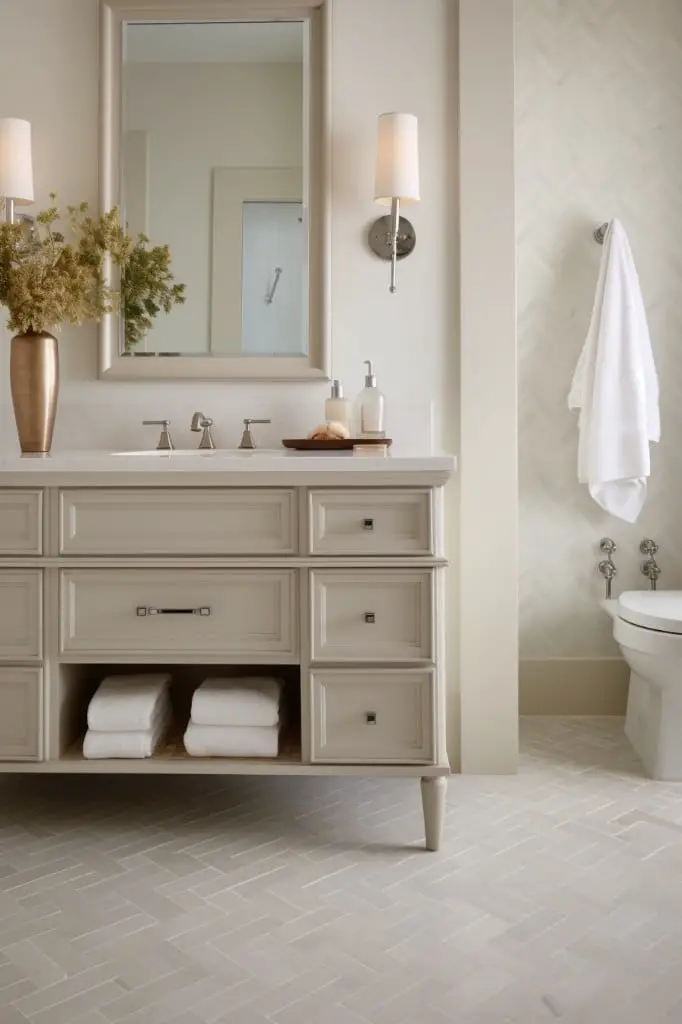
<point>203,423</point>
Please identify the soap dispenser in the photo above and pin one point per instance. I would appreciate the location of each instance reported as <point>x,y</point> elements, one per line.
<point>371,406</point>
<point>338,409</point>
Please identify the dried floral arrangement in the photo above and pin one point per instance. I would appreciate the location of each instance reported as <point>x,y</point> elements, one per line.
<point>50,277</point>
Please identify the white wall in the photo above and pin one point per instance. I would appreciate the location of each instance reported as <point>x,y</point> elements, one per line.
<point>599,134</point>
<point>198,117</point>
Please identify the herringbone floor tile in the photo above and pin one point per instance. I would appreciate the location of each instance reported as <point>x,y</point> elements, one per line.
<point>558,896</point>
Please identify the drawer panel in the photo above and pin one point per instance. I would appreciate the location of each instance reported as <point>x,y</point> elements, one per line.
<point>167,613</point>
<point>370,522</point>
<point>21,708</point>
<point>372,615</point>
<point>165,521</point>
<point>21,522</point>
<point>373,716</point>
<point>21,614</point>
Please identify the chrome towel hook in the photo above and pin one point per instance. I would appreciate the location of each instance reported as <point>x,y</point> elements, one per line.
<point>600,233</point>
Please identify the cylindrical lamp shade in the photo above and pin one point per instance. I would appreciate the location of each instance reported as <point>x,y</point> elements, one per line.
<point>397,172</point>
<point>16,164</point>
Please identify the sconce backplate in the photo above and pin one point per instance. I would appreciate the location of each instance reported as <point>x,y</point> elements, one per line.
<point>379,238</point>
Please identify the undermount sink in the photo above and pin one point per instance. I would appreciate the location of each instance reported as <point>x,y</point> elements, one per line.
<point>208,453</point>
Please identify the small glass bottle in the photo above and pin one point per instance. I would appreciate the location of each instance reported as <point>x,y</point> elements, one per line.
<point>371,407</point>
<point>338,409</point>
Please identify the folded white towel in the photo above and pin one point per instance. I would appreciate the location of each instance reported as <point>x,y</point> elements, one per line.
<point>231,741</point>
<point>126,703</point>
<point>132,743</point>
<point>616,388</point>
<point>236,702</point>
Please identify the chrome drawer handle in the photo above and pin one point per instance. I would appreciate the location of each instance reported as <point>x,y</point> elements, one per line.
<point>143,611</point>
<point>371,718</point>
<point>370,618</point>
<point>368,524</point>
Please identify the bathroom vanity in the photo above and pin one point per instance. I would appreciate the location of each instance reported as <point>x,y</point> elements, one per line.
<point>329,569</point>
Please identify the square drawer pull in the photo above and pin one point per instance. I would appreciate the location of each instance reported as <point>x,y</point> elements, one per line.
<point>368,524</point>
<point>370,618</point>
<point>371,717</point>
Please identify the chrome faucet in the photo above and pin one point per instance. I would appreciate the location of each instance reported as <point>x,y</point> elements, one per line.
<point>247,440</point>
<point>201,422</point>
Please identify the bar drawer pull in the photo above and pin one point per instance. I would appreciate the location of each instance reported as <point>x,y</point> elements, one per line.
<point>368,524</point>
<point>143,611</point>
<point>370,618</point>
<point>371,718</point>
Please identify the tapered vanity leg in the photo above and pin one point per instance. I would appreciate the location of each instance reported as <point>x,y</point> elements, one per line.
<point>433,801</point>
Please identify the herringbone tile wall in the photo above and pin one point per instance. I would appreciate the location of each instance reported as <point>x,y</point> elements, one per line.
<point>599,134</point>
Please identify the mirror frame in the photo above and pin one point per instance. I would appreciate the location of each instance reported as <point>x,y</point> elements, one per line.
<point>317,95</point>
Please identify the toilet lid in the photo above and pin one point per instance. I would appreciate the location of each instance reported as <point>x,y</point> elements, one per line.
<point>653,609</point>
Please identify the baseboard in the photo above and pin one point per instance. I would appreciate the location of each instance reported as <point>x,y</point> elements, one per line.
<point>573,686</point>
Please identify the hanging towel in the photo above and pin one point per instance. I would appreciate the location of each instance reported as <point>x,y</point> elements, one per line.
<point>126,703</point>
<point>231,741</point>
<point>232,702</point>
<point>615,387</point>
<point>129,744</point>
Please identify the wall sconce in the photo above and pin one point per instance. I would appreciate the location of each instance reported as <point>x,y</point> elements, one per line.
<point>397,181</point>
<point>16,164</point>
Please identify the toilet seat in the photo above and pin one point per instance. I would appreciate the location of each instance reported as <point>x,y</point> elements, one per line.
<point>659,610</point>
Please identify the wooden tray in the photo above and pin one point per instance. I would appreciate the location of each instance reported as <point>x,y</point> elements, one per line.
<point>336,444</point>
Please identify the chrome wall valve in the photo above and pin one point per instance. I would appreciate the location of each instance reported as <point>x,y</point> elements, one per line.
<point>650,567</point>
<point>606,566</point>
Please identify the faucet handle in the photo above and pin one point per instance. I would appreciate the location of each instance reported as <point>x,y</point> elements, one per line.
<point>165,440</point>
<point>247,440</point>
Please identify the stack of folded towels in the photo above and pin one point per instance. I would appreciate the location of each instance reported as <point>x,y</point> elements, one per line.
<point>235,718</point>
<point>128,716</point>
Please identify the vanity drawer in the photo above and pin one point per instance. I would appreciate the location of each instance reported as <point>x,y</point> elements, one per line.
<point>373,716</point>
<point>174,521</point>
<point>21,706</point>
<point>21,522</point>
<point>122,614</point>
<point>370,522</point>
<point>21,614</point>
<point>372,615</point>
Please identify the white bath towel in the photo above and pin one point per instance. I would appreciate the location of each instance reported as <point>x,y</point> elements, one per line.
<point>126,703</point>
<point>615,387</point>
<point>231,741</point>
<point>237,702</point>
<point>131,743</point>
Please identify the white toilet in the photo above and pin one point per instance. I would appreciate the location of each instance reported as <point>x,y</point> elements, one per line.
<point>648,628</point>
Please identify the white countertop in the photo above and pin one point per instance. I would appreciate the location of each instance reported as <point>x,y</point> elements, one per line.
<point>260,468</point>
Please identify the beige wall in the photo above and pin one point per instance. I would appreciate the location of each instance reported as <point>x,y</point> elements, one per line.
<point>598,134</point>
<point>489,542</point>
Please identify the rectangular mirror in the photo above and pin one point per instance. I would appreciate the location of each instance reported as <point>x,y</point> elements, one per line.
<point>214,142</point>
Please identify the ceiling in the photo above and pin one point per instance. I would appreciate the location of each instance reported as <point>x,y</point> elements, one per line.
<point>217,43</point>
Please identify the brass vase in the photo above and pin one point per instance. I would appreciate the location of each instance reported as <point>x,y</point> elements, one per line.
<point>34,379</point>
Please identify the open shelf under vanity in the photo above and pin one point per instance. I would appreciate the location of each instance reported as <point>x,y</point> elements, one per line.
<point>76,685</point>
